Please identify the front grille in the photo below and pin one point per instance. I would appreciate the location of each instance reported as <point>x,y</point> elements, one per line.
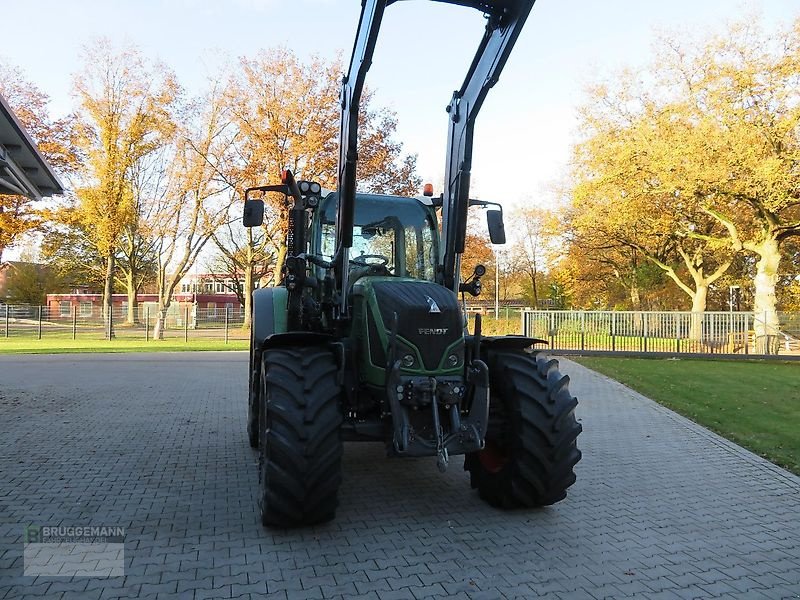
<point>410,300</point>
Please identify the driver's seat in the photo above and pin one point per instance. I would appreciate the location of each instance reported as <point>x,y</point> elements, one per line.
<point>359,271</point>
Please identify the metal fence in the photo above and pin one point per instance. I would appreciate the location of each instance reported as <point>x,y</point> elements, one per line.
<point>183,322</point>
<point>663,332</point>
<point>571,331</point>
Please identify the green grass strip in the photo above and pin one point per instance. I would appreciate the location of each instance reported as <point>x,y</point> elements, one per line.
<point>61,346</point>
<point>753,403</point>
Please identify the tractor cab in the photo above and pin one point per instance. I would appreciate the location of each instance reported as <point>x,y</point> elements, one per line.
<point>392,235</point>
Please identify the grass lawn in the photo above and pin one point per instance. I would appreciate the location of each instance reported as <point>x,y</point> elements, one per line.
<point>753,403</point>
<point>60,346</point>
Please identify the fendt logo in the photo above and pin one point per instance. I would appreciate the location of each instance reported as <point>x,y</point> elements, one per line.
<point>433,330</point>
<point>434,308</point>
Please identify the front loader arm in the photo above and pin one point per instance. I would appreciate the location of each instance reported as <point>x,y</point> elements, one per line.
<point>352,85</point>
<point>505,21</point>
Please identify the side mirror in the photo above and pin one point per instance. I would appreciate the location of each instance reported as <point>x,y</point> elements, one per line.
<point>497,230</point>
<point>253,213</point>
<point>254,207</point>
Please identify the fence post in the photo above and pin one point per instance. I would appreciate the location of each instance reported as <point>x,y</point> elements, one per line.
<point>146,323</point>
<point>641,329</point>
<point>731,335</point>
<point>226,324</point>
<point>613,331</point>
<point>7,330</point>
<point>186,324</point>
<point>39,335</point>
<point>583,330</point>
<point>74,322</point>
<point>678,332</point>
<point>645,331</point>
<point>746,331</point>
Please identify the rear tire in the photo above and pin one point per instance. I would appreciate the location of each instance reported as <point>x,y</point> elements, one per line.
<point>531,443</point>
<point>300,433</point>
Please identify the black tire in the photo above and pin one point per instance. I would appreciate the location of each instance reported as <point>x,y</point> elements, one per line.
<point>531,443</point>
<point>301,445</point>
<point>253,390</point>
<point>253,406</point>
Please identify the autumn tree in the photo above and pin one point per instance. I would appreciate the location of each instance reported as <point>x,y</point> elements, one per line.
<point>697,158</point>
<point>789,290</point>
<point>194,202</point>
<point>743,91</point>
<point>537,231</point>
<point>286,114</point>
<point>136,251</point>
<point>246,256</point>
<point>478,251</point>
<point>70,252</point>
<point>54,138</point>
<point>28,282</point>
<point>621,197</point>
<point>127,109</point>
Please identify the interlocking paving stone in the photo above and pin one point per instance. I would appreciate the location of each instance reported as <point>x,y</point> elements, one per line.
<point>155,443</point>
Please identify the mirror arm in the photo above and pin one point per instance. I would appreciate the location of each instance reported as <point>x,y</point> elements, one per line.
<point>283,189</point>
<point>485,203</point>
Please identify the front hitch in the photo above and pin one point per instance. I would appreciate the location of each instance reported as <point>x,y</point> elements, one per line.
<point>453,435</point>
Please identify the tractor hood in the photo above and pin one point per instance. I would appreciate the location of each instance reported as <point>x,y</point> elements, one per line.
<point>429,320</point>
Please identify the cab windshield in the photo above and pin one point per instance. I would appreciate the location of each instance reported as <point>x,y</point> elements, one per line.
<point>399,230</point>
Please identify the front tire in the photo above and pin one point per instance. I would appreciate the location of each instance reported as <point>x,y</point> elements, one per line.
<point>531,445</point>
<point>253,391</point>
<point>301,446</point>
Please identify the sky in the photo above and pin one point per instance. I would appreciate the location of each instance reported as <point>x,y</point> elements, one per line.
<point>528,123</point>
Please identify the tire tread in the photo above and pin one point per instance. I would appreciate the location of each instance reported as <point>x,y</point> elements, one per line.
<point>540,432</point>
<point>301,446</point>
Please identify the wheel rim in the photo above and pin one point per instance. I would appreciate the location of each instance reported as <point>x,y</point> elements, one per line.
<point>493,457</point>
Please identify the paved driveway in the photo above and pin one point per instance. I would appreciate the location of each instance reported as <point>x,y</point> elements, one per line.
<point>156,443</point>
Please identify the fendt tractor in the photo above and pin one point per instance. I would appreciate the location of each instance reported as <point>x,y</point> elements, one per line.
<point>365,339</point>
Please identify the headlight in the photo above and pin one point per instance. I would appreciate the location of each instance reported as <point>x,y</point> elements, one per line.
<point>408,361</point>
<point>453,360</point>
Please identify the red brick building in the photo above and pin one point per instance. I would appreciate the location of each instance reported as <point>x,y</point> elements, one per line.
<point>205,294</point>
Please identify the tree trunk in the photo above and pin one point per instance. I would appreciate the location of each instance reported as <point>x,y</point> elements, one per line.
<point>766,322</point>
<point>161,322</point>
<point>636,299</point>
<point>277,275</point>
<point>636,305</point>
<point>108,296</point>
<point>133,312</point>
<point>699,299</point>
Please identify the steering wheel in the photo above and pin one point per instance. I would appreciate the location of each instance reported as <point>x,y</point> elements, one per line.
<point>376,259</point>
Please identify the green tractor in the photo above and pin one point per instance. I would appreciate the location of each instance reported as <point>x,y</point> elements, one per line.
<point>365,338</point>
